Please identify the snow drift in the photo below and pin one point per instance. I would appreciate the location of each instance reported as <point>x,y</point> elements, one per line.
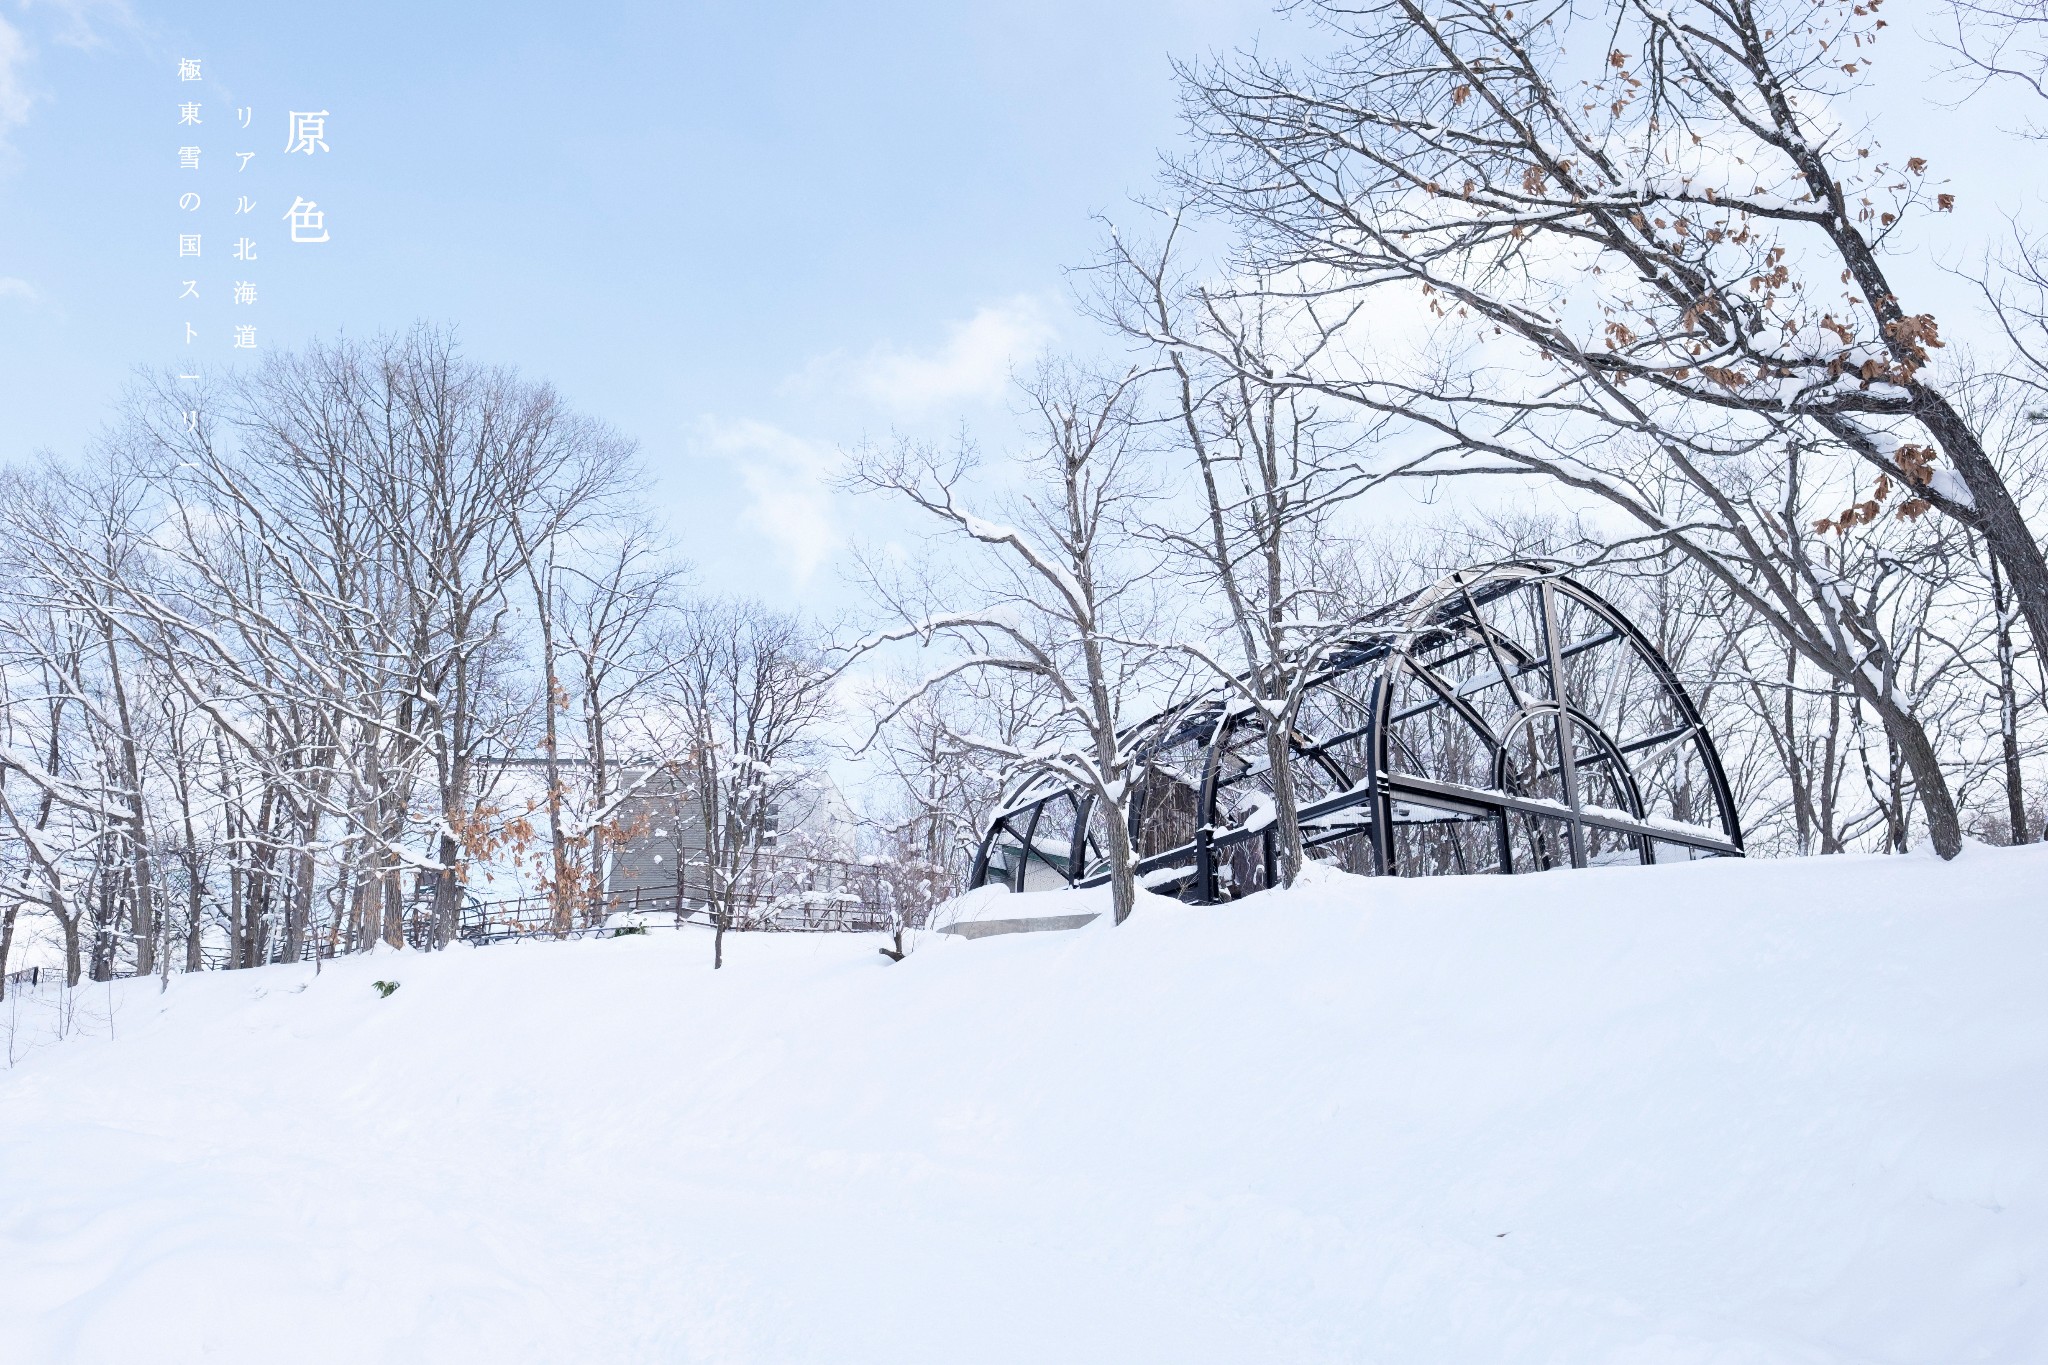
<point>1728,1112</point>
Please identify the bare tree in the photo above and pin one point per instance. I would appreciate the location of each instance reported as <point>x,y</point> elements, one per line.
<point>292,618</point>
<point>2002,41</point>
<point>269,654</point>
<point>752,688</point>
<point>1628,225</point>
<point>1679,159</point>
<point>591,619</point>
<point>73,536</point>
<point>619,625</point>
<point>935,791</point>
<point>1052,593</point>
<point>469,466</point>
<point>1274,474</point>
<point>41,805</point>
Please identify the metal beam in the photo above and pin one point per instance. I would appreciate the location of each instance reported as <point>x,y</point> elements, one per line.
<point>1422,789</point>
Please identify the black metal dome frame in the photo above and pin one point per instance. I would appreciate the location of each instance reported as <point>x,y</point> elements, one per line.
<point>1508,719</point>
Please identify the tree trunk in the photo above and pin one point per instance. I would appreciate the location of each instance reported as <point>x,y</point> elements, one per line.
<point>189,855</point>
<point>391,891</point>
<point>447,893</point>
<point>1937,803</point>
<point>562,894</point>
<point>600,794</point>
<point>7,938</point>
<point>2015,784</point>
<point>194,914</point>
<point>142,915</point>
<point>142,912</point>
<point>258,892</point>
<point>1896,817</point>
<point>1998,517</point>
<point>2009,714</point>
<point>299,916</point>
<point>105,908</point>
<point>1286,818</point>
<point>1123,878</point>
<point>237,892</point>
<point>1831,758</point>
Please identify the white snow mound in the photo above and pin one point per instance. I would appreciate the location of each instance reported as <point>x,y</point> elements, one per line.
<point>1725,1112</point>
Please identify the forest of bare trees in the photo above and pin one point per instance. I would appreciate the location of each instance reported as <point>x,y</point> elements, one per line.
<point>291,665</point>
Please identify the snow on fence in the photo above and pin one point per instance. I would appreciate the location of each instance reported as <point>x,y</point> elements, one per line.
<point>799,912</point>
<point>781,893</point>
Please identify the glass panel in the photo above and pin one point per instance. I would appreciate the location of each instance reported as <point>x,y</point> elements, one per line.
<point>1605,787</point>
<point>1244,784</point>
<point>1540,844</point>
<point>1006,853</point>
<point>1350,852</point>
<point>1528,764</point>
<point>1503,666</point>
<point>1168,799</point>
<point>1621,691</point>
<point>1241,866</point>
<point>1048,867</point>
<point>1094,860</point>
<point>1605,848</point>
<point>1434,729</point>
<point>1332,735</point>
<point>1668,851</point>
<point>1433,842</point>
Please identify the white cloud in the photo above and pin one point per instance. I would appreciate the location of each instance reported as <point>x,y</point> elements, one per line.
<point>789,497</point>
<point>77,23</point>
<point>972,364</point>
<point>12,288</point>
<point>14,96</point>
<point>84,18</point>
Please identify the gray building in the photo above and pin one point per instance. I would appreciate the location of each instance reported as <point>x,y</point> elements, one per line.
<point>798,868</point>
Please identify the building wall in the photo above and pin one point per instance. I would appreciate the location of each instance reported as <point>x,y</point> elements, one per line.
<point>666,837</point>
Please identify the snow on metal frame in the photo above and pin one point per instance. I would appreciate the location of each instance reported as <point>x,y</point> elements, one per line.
<point>1506,719</point>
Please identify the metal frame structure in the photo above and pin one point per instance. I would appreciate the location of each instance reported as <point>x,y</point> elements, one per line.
<point>1508,719</point>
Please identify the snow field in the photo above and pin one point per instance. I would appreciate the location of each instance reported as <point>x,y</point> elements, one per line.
<point>1722,1112</point>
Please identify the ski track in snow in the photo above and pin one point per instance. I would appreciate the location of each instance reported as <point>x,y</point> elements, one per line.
<point>1725,1112</point>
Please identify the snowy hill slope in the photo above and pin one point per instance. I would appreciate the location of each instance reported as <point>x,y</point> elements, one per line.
<point>1724,1112</point>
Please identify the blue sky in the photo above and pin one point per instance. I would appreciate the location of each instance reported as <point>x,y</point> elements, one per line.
<point>745,234</point>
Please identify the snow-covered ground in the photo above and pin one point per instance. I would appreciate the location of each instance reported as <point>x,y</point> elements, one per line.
<point>1727,1112</point>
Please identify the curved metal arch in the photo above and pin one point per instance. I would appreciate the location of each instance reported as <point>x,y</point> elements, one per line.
<point>1458,602</point>
<point>1436,640</point>
<point>1674,687</point>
